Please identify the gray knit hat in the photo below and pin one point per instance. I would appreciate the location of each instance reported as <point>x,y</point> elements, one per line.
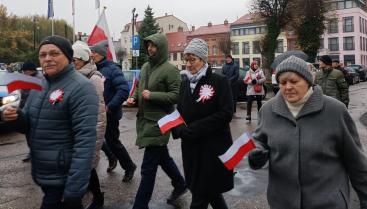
<point>296,65</point>
<point>197,47</point>
<point>100,48</point>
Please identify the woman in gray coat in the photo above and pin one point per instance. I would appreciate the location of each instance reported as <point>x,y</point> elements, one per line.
<point>84,66</point>
<point>311,143</point>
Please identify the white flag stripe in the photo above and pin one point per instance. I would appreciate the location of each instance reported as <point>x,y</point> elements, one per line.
<point>11,77</point>
<point>171,117</point>
<point>242,140</point>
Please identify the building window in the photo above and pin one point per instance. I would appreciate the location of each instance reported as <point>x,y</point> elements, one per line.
<point>333,44</point>
<point>174,56</point>
<point>235,48</point>
<point>348,24</point>
<point>360,43</point>
<point>245,48</point>
<point>258,30</point>
<point>251,31</point>
<point>279,48</point>
<point>349,43</point>
<point>215,50</point>
<point>256,47</point>
<point>246,62</point>
<point>349,60</point>
<point>333,26</point>
<point>321,43</point>
<point>360,24</point>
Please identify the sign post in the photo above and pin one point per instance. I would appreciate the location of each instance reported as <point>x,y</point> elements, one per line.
<point>136,48</point>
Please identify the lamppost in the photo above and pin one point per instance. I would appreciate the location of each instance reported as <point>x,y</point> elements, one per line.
<point>34,33</point>
<point>135,16</point>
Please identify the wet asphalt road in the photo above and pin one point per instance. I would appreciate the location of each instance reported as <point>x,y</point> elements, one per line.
<point>17,190</point>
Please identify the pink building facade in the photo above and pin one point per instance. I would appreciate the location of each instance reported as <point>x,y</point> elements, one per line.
<point>345,37</point>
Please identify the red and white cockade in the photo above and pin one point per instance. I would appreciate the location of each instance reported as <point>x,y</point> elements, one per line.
<point>206,93</point>
<point>56,96</point>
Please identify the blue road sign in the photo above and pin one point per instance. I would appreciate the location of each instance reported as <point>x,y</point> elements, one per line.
<point>136,42</point>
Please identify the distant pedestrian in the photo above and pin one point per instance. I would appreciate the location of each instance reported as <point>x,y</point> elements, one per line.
<point>332,81</point>
<point>60,122</point>
<point>205,103</point>
<point>116,91</point>
<point>311,144</point>
<point>231,71</point>
<point>156,95</point>
<point>81,60</point>
<point>336,65</point>
<point>255,80</point>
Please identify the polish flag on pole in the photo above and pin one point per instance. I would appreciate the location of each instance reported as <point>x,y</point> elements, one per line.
<point>237,151</point>
<point>170,121</point>
<point>15,81</point>
<point>133,86</point>
<point>101,33</point>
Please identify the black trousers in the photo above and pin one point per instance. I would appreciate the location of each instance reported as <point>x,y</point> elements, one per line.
<point>94,185</point>
<point>234,87</point>
<point>252,98</point>
<point>112,139</point>
<point>52,199</point>
<point>202,202</point>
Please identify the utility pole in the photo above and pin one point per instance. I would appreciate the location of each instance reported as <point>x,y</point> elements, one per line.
<point>135,16</point>
<point>34,33</point>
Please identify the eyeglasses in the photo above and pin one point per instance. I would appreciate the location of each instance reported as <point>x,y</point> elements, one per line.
<point>52,54</point>
<point>76,59</point>
<point>190,59</point>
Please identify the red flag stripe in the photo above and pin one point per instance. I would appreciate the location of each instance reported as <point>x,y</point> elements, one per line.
<point>230,164</point>
<point>166,127</point>
<point>22,85</point>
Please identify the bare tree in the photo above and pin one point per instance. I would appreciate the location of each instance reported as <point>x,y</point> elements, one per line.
<point>225,45</point>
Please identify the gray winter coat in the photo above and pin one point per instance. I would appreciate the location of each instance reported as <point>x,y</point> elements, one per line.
<point>62,136</point>
<point>311,157</point>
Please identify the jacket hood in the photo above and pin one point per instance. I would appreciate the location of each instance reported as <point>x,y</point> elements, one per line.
<point>160,41</point>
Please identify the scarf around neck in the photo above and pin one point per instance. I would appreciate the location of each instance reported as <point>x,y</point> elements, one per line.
<point>194,78</point>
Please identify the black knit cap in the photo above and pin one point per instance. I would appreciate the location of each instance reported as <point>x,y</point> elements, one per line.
<point>326,59</point>
<point>62,43</point>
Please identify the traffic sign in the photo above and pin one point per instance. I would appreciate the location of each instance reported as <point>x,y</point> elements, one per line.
<point>135,53</point>
<point>136,42</point>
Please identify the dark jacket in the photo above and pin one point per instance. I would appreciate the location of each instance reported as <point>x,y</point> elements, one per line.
<point>163,82</point>
<point>62,136</point>
<point>231,71</point>
<point>314,156</point>
<point>116,89</point>
<point>209,135</point>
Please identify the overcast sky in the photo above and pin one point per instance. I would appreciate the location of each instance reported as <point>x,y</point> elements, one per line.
<point>193,12</point>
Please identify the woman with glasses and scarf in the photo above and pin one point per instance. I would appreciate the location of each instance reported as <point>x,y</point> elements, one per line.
<point>206,104</point>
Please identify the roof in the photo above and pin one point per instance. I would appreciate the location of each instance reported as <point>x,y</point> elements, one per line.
<point>138,23</point>
<point>177,41</point>
<point>214,29</point>
<point>247,19</point>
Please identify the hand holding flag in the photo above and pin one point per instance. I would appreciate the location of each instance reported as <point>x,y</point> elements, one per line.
<point>170,121</point>
<point>237,151</point>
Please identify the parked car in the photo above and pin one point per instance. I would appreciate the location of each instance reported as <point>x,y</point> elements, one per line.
<point>353,76</point>
<point>8,99</point>
<point>361,71</point>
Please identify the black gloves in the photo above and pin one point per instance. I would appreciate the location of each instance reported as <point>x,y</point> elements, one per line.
<point>176,131</point>
<point>253,81</point>
<point>183,132</point>
<point>257,158</point>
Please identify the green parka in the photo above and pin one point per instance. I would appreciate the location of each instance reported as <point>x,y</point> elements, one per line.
<point>162,79</point>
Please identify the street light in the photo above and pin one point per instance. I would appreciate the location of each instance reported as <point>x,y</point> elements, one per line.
<point>34,33</point>
<point>135,16</point>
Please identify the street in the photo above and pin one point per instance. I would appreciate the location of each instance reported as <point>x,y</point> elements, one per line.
<point>18,191</point>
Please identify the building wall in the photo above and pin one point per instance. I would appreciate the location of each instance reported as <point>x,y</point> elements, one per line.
<point>359,34</point>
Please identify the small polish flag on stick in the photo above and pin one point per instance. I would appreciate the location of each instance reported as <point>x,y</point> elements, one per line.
<point>237,151</point>
<point>170,121</point>
<point>15,81</point>
<point>133,86</point>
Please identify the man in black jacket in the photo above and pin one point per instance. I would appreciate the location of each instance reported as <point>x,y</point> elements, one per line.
<point>60,124</point>
<point>231,71</point>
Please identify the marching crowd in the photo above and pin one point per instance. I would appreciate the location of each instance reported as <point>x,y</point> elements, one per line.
<point>305,133</point>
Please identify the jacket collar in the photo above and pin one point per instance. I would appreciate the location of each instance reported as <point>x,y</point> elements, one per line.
<point>68,69</point>
<point>314,104</point>
<point>102,63</point>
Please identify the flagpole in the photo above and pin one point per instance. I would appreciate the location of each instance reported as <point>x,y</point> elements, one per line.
<point>73,10</point>
<point>52,26</point>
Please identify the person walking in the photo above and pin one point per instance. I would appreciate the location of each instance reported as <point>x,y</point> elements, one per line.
<point>60,123</point>
<point>231,71</point>
<point>30,69</point>
<point>155,95</point>
<point>332,81</point>
<point>311,144</point>
<point>116,91</point>
<point>254,79</point>
<point>205,103</point>
<point>81,60</point>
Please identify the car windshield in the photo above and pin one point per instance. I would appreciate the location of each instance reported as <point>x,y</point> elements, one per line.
<point>129,75</point>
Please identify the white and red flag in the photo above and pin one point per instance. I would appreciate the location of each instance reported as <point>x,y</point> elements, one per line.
<point>170,121</point>
<point>133,86</point>
<point>237,151</point>
<point>101,33</point>
<point>15,81</point>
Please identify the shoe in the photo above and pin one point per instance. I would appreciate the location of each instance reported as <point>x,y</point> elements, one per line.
<point>129,174</point>
<point>27,158</point>
<point>98,202</point>
<point>112,163</point>
<point>248,118</point>
<point>176,193</point>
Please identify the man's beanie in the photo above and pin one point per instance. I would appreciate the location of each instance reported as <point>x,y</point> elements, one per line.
<point>62,43</point>
<point>28,65</point>
<point>296,65</point>
<point>336,60</point>
<point>197,47</point>
<point>100,48</point>
<point>326,59</point>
